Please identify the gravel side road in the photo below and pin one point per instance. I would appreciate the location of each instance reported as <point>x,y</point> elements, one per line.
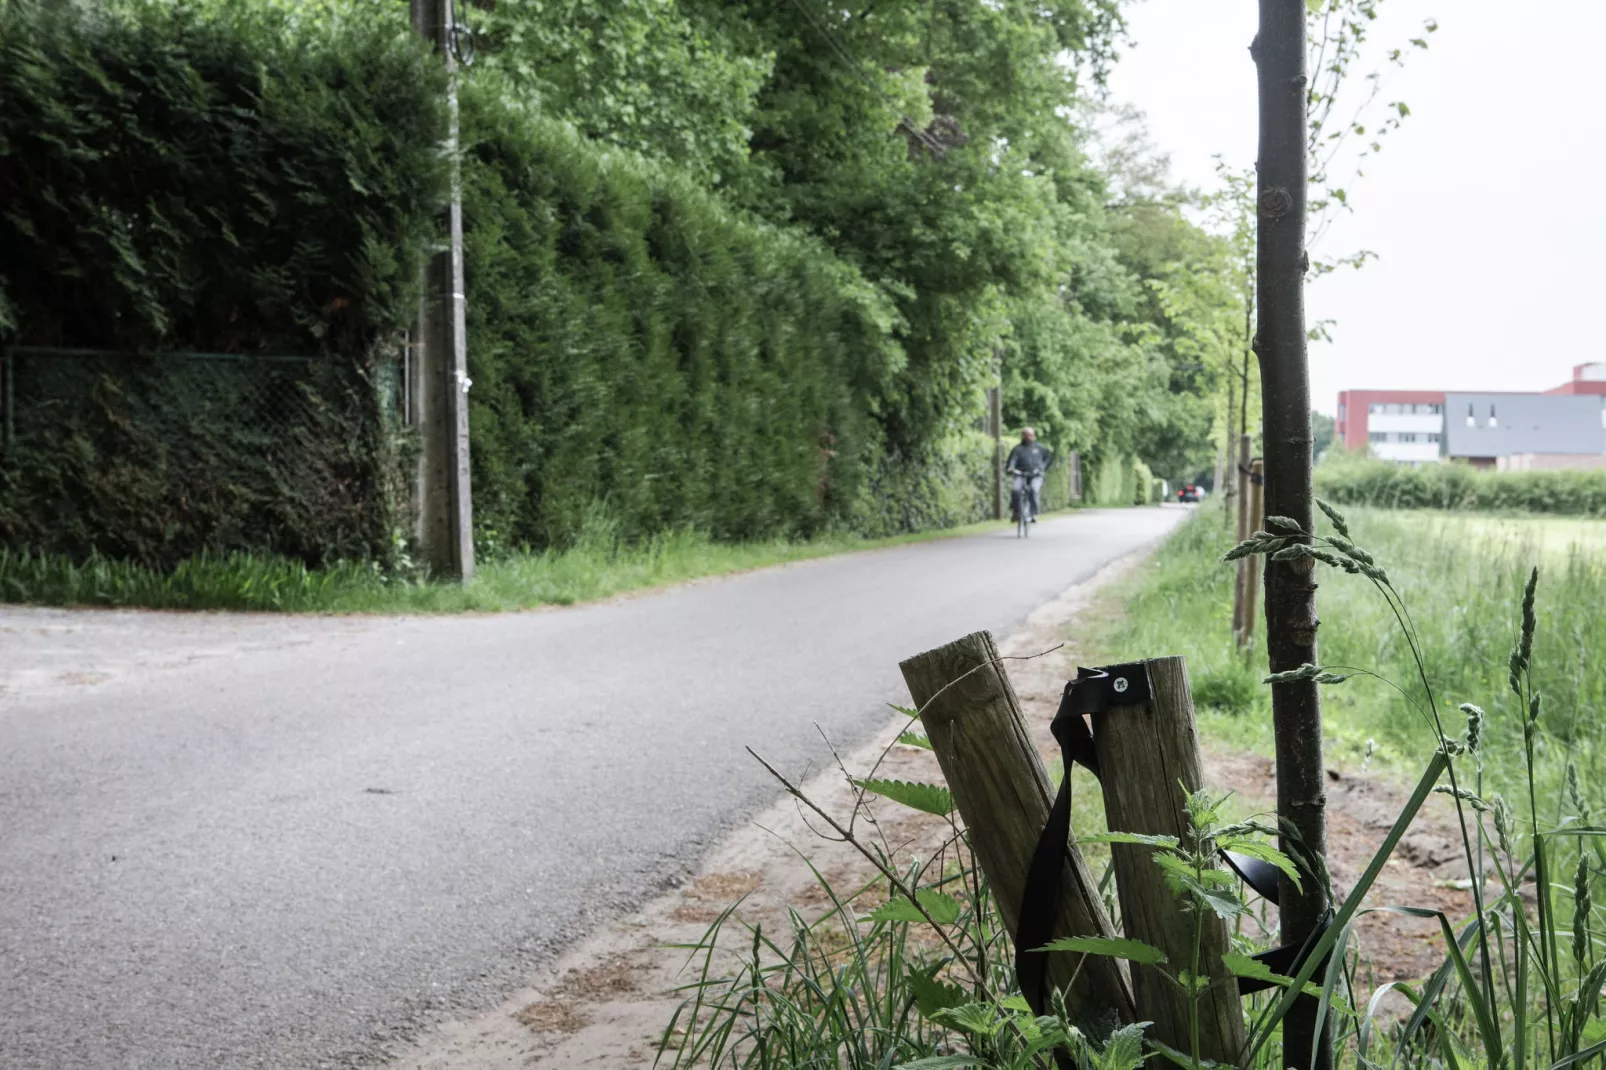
<point>238,841</point>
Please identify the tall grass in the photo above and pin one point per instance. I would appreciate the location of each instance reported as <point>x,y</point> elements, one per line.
<point>1350,480</point>
<point>1459,575</point>
<point>1524,967</point>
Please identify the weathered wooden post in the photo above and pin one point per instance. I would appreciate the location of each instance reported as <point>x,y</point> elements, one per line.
<point>1240,576</point>
<point>1257,518</point>
<point>1004,794</point>
<point>1148,762</point>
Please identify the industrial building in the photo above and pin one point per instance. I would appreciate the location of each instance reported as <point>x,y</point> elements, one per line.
<point>1561,428</point>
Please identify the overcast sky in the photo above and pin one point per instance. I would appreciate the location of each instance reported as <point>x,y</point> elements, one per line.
<point>1484,207</point>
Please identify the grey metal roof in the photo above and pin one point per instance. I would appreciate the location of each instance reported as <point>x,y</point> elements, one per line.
<point>1523,423</point>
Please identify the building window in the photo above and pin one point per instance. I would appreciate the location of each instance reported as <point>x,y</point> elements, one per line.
<point>1377,436</point>
<point>1472,421</point>
<point>1407,436</point>
<point>1434,410</point>
<point>1433,436</point>
<point>1341,412</point>
<point>1373,409</point>
<point>1492,421</point>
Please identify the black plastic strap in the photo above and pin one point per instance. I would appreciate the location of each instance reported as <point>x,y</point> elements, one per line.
<point>1285,960</point>
<point>1093,691</point>
<point>1259,875</point>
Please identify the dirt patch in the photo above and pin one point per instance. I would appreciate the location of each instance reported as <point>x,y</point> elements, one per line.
<point>725,887</point>
<point>608,1001</point>
<point>552,1016</point>
<point>1428,869</point>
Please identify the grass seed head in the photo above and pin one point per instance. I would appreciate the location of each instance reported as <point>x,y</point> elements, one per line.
<point>1475,717</point>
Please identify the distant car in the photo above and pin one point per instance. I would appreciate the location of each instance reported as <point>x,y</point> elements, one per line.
<point>1189,493</point>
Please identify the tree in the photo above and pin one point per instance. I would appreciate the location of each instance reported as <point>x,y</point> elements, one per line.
<point>1290,601</point>
<point>1321,433</point>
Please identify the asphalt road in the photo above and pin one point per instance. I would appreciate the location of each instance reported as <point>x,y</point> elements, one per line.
<point>237,841</point>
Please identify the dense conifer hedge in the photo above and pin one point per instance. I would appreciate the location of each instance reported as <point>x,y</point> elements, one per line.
<point>234,180</point>
<point>227,182</point>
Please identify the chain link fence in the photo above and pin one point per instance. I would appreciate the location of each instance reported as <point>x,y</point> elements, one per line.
<point>159,457</point>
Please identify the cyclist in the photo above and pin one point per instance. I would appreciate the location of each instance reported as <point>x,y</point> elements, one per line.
<point>1027,463</point>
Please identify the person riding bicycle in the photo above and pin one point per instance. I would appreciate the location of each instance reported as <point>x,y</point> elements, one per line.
<point>1027,463</point>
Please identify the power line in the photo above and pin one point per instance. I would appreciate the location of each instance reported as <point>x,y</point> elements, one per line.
<point>935,147</point>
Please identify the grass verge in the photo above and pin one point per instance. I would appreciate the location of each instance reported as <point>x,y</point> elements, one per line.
<point>911,972</point>
<point>1459,574</point>
<point>598,566</point>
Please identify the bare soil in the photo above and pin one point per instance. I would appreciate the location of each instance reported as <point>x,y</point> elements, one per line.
<point>607,1002</point>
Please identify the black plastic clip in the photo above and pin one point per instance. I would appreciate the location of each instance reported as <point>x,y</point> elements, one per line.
<point>1093,691</point>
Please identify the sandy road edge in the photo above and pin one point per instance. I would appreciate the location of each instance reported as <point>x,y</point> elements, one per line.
<point>606,1001</point>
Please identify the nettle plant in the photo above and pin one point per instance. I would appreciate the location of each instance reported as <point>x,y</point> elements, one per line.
<point>912,969</point>
<point>1193,873</point>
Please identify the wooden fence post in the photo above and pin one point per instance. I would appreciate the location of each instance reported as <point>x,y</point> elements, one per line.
<point>1002,791</point>
<point>1148,759</point>
<point>1251,566</point>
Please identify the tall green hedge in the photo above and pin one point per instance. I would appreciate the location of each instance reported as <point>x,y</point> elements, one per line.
<point>636,344</point>
<point>228,181</point>
<point>218,180</point>
<point>225,178</point>
<point>1350,481</point>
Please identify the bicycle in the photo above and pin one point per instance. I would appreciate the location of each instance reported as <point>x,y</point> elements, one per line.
<point>1024,503</point>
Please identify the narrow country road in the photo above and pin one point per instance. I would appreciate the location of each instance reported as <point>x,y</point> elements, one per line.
<point>242,841</point>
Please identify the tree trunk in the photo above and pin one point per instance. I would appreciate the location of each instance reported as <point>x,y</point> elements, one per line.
<point>1280,262</point>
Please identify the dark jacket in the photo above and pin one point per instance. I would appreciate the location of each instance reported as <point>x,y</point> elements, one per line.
<point>1032,458</point>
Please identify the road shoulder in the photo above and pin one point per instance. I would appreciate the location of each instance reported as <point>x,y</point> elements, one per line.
<point>606,1002</point>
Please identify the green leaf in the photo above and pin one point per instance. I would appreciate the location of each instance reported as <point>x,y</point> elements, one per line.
<point>1182,1059</point>
<point>1115,948</point>
<point>941,1062</point>
<point>1285,522</point>
<point>1240,965</point>
<point>927,798</point>
<point>932,995</point>
<point>975,1018</point>
<point>1215,888</point>
<point>1265,852</point>
<point>914,739</point>
<point>944,909</point>
<point>1124,1049</point>
<point>1138,838</point>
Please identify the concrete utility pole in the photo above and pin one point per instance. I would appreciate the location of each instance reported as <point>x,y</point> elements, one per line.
<point>995,427</point>
<point>440,370</point>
